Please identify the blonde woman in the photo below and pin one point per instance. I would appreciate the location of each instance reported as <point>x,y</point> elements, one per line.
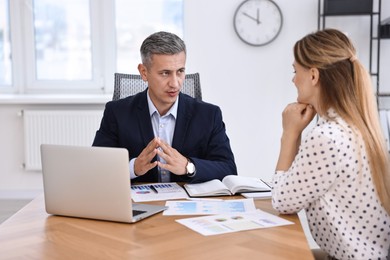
<point>339,173</point>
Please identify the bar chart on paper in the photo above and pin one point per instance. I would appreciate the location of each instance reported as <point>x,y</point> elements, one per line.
<point>209,207</point>
<point>157,191</point>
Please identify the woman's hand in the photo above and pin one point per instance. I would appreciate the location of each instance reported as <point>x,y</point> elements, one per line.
<point>296,117</point>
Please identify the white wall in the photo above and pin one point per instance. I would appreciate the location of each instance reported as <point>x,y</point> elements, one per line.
<point>252,85</point>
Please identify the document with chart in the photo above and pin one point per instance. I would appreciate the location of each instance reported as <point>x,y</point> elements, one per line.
<point>157,191</point>
<point>208,207</point>
<point>228,223</point>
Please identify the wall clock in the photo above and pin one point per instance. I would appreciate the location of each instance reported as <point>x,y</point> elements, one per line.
<point>258,22</point>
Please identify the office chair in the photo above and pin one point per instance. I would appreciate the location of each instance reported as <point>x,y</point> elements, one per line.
<point>130,84</point>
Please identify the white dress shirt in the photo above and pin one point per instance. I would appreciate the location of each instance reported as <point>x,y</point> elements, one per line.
<point>163,127</point>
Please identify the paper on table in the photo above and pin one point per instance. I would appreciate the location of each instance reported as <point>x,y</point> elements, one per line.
<point>157,191</point>
<point>228,223</point>
<point>208,207</point>
<point>258,195</point>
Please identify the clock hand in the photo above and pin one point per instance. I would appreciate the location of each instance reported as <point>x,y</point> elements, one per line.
<point>258,16</point>
<point>251,17</point>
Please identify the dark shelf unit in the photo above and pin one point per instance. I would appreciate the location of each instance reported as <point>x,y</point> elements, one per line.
<point>372,8</point>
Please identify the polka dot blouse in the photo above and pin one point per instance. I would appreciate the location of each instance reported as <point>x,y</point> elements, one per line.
<point>330,178</point>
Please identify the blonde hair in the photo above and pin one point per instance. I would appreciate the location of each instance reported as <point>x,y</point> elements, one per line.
<point>346,86</point>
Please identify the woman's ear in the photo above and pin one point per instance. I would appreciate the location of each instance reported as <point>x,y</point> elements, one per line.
<point>315,76</point>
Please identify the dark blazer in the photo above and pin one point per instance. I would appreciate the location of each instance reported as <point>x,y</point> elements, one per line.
<point>199,135</point>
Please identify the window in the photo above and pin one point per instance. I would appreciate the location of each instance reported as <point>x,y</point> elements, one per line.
<point>156,16</point>
<point>63,46</point>
<point>5,45</point>
<point>62,39</point>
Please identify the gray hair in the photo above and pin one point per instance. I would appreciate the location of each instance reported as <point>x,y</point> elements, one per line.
<point>161,43</point>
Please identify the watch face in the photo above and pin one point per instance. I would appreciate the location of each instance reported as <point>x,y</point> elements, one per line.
<point>190,168</point>
<point>258,22</point>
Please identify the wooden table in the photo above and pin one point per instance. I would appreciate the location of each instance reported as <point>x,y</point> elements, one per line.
<point>33,234</point>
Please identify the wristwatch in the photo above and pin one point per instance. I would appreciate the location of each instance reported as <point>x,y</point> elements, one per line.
<point>190,168</point>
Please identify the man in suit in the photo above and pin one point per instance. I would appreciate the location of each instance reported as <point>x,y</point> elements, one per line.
<point>170,136</point>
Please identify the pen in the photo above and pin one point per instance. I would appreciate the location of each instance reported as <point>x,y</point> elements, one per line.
<point>153,188</point>
<point>266,183</point>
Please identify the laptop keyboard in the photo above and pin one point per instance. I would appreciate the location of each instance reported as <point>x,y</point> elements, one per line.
<point>137,212</point>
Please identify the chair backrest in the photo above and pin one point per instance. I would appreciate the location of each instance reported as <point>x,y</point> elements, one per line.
<point>130,84</point>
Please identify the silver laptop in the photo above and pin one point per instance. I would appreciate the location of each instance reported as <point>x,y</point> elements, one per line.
<point>90,182</point>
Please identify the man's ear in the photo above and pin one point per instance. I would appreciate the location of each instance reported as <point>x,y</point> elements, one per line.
<point>143,72</point>
<point>315,76</point>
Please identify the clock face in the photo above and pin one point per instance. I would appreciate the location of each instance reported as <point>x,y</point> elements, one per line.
<point>258,22</point>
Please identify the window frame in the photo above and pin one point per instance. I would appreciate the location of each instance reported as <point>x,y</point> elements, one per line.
<point>6,87</point>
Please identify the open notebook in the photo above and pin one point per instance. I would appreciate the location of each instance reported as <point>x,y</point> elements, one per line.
<point>90,182</point>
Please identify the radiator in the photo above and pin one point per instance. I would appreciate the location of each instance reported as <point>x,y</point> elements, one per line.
<point>68,127</point>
